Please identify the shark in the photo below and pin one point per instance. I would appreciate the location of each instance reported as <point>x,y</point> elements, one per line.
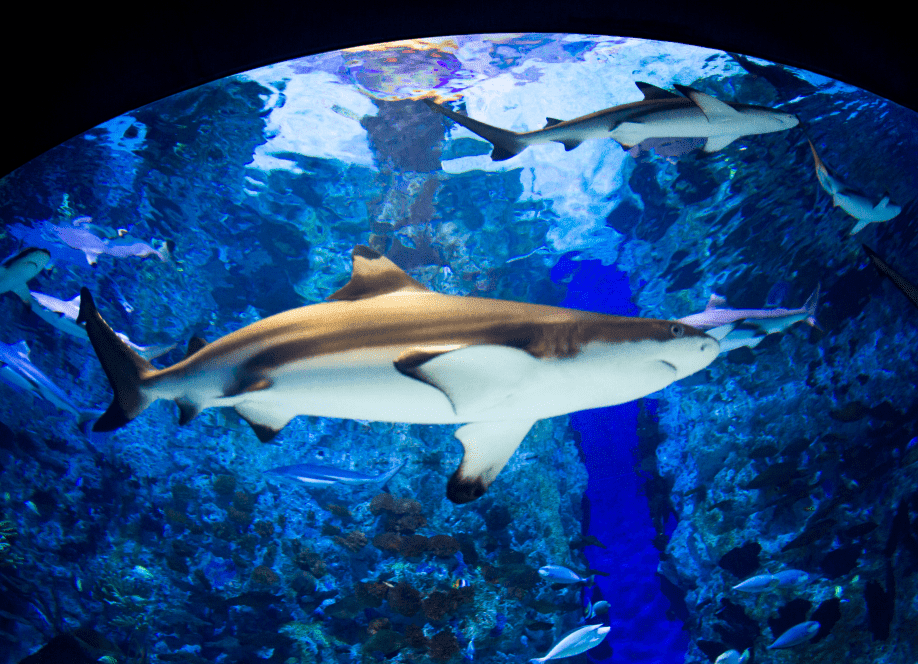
<point>660,115</point>
<point>16,369</point>
<point>907,287</point>
<point>853,201</point>
<point>63,314</point>
<point>387,348</point>
<point>17,270</point>
<point>750,326</point>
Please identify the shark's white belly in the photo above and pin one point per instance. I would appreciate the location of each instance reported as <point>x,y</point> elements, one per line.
<point>685,123</point>
<point>365,385</point>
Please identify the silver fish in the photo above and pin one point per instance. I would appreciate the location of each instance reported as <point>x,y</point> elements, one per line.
<point>16,369</point>
<point>757,584</point>
<point>388,349</point>
<point>327,475</point>
<point>732,657</point>
<point>796,635</point>
<point>560,574</point>
<point>576,642</point>
<point>661,114</point>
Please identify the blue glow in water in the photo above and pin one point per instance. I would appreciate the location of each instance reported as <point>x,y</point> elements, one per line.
<point>619,515</point>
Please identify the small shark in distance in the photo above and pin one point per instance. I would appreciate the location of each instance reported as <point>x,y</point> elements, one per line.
<point>661,114</point>
<point>17,270</point>
<point>386,348</point>
<point>62,315</point>
<point>314,475</point>
<point>750,325</point>
<point>852,201</point>
<point>903,284</point>
<point>16,369</point>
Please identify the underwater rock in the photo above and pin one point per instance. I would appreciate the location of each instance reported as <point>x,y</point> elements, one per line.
<point>851,412</point>
<point>388,542</point>
<point>224,485</point>
<point>814,532</point>
<point>827,614</point>
<point>741,561</point>
<point>881,605</point>
<point>404,599</point>
<point>414,637</point>
<point>775,475</point>
<point>442,546</point>
<point>353,541</point>
<point>385,641</point>
<point>737,629</point>
<point>840,562</point>
<point>372,593</point>
<point>265,576</point>
<point>676,597</point>
<point>437,606</point>
<point>62,648</point>
<point>443,645</point>
<point>412,546</point>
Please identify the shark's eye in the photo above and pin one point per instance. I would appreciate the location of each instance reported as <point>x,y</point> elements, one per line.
<point>677,330</point>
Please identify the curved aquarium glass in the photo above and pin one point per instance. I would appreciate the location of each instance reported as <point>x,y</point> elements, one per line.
<point>476,348</point>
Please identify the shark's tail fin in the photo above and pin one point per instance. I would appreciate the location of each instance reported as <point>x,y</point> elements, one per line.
<point>506,143</point>
<point>123,366</point>
<point>811,303</point>
<point>384,480</point>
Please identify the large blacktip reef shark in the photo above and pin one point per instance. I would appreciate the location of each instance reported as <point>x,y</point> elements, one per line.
<point>388,349</point>
<point>661,114</point>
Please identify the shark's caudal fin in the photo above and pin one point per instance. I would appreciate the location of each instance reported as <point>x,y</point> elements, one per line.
<point>811,303</point>
<point>123,366</point>
<point>506,143</point>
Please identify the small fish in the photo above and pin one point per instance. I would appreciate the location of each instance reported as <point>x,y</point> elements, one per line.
<point>78,582</point>
<point>108,659</point>
<point>757,584</point>
<point>470,650</point>
<point>732,657</point>
<point>903,284</point>
<point>32,507</point>
<point>576,642</point>
<point>142,572</point>
<point>593,610</point>
<point>18,269</point>
<point>16,369</point>
<point>790,577</point>
<point>62,315</point>
<point>314,475</point>
<point>460,583</point>
<point>559,574</point>
<point>796,635</point>
<point>852,201</point>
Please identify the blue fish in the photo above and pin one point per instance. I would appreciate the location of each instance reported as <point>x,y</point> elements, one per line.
<point>314,475</point>
<point>17,370</point>
<point>790,577</point>
<point>574,643</point>
<point>796,635</point>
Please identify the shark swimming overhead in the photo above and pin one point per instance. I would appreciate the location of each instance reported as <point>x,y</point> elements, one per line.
<point>19,269</point>
<point>388,349</point>
<point>852,201</point>
<point>661,114</point>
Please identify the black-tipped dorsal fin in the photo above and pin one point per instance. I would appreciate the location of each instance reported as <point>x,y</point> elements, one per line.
<point>195,344</point>
<point>653,92</point>
<point>551,122</point>
<point>373,274</point>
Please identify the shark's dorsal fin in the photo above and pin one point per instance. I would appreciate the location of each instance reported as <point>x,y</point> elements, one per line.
<point>653,92</point>
<point>716,301</point>
<point>195,344</point>
<point>373,274</point>
<point>551,122</point>
<point>883,201</point>
<point>714,109</point>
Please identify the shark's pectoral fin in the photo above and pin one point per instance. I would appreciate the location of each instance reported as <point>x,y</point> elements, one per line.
<point>570,145</point>
<point>716,143</point>
<point>475,379</point>
<point>265,421</point>
<point>488,447</point>
<point>22,290</point>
